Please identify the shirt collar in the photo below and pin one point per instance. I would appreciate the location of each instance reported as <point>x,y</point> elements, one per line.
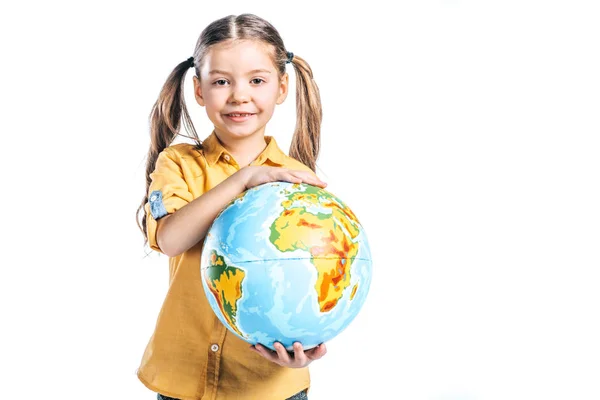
<point>213,150</point>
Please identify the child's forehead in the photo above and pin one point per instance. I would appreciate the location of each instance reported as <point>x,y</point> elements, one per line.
<point>238,55</point>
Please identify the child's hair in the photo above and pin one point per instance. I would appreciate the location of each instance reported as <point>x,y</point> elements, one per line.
<point>169,110</point>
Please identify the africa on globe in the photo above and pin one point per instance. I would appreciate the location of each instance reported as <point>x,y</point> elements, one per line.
<point>286,262</point>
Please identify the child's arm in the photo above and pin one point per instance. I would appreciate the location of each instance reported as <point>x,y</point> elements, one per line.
<point>179,231</point>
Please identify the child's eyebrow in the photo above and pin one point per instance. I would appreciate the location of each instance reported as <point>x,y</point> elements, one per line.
<point>254,71</point>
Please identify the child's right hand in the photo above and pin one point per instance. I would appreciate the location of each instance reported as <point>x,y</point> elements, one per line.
<point>257,175</point>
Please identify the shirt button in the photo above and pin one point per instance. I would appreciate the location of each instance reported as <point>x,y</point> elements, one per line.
<point>214,347</point>
<point>226,157</point>
<point>153,197</point>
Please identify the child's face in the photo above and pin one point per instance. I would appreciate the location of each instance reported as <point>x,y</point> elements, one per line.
<point>229,83</point>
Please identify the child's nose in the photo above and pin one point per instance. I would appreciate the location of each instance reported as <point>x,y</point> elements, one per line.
<point>240,93</point>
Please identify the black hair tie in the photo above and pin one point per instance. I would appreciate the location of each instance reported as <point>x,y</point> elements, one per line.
<point>290,55</point>
<point>191,62</point>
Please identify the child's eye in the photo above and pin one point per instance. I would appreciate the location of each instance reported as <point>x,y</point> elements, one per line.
<point>220,80</point>
<point>259,80</point>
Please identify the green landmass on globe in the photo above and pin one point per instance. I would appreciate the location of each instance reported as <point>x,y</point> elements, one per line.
<point>332,254</point>
<point>225,283</point>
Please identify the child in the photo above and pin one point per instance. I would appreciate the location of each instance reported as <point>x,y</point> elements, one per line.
<point>240,64</point>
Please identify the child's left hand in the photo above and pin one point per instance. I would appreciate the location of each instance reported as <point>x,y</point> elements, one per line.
<point>299,359</point>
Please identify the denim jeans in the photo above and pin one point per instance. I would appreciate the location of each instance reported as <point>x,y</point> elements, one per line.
<point>298,396</point>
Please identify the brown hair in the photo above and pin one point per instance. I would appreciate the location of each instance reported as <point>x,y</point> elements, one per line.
<point>170,110</point>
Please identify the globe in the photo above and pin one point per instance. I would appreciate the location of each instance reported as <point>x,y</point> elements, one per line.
<point>288,263</point>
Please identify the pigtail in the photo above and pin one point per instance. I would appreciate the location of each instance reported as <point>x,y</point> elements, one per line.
<point>165,122</point>
<point>306,141</point>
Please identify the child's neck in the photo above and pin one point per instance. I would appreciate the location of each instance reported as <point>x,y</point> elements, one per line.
<point>245,150</point>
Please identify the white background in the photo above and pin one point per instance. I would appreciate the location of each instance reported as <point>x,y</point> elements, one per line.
<point>463,134</point>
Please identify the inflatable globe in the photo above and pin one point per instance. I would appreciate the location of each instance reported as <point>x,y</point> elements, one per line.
<point>286,262</point>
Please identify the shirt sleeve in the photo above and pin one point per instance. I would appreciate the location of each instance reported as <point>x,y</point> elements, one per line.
<point>168,192</point>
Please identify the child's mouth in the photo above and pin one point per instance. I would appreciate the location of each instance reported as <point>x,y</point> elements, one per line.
<point>239,117</point>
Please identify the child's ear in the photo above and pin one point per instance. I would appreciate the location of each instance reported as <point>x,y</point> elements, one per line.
<point>283,88</point>
<point>198,91</point>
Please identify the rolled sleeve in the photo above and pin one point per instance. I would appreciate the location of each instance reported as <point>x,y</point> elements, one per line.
<point>168,192</point>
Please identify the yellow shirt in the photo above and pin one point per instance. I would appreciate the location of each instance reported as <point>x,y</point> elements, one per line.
<point>191,355</point>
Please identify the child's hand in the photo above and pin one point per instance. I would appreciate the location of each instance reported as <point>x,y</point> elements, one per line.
<point>257,175</point>
<point>298,359</point>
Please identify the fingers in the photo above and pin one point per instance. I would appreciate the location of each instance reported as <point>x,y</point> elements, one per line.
<point>308,177</point>
<point>317,352</point>
<point>300,358</point>
<point>282,353</point>
<point>291,177</point>
<point>266,353</point>
<point>279,356</point>
<point>255,175</point>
